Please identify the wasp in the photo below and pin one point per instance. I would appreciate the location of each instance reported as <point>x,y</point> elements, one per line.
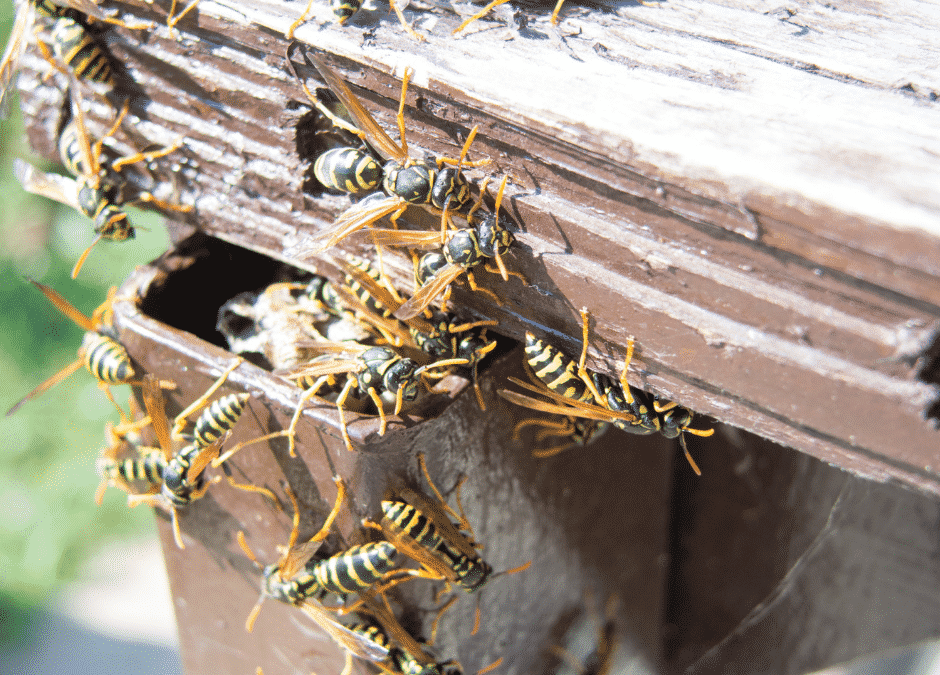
<point>422,529</point>
<point>145,467</point>
<point>578,432</point>
<point>437,334</point>
<point>290,580</point>
<point>463,249</point>
<point>406,181</point>
<point>97,191</point>
<point>367,371</point>
<point>600,661</point>
<point>183,481</point>
<point>100,352</point>
<point>71,41</point>
<point>576,392</point>
<point>399,661</point>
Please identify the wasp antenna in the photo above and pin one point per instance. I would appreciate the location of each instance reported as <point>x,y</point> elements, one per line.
<point>688,456</point>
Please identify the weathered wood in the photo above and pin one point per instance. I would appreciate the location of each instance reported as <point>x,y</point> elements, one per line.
<point>606,540</point>
<point>749,194</point>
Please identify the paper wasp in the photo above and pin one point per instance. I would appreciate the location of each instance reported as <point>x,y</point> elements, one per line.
<point>575,392</point>
<point>406,180</point>
<point>437,334</point>
<point>463,249</point>
<point>600,660</point>
<point>183,479</point>
<point>291,580</point>
<point>98,190</point>
<point>70,38</point>
<point>145,467</point>
<point>281,321</point>
<point>100,351</point>
<point>367,371</point>
<point>422,529</point>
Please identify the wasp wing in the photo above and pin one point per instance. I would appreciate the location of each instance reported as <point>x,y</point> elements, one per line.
<point>411,239</point>
<point>51,185</point>
<point>155,404</point>
<point>356,644</point>
<point>16,45</point>
<point>375,134</point>
<point>425,295</point>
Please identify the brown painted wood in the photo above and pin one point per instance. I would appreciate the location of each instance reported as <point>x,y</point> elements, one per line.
<point>594,525</point>
<point>772,253</point>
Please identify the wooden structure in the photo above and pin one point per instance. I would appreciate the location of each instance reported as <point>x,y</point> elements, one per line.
<point>749,192</point>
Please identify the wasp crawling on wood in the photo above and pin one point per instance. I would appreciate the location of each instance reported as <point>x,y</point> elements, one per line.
<point>368,371</point>
<point>438,334</point>
<point>100,351</point>
<point>422,529</point>
<point>463,249</point>
<point>294,580</point>
<point>183,479</point>
<point>577,393</point>
<point>406,181</point>
<point>97,190</point>
<point>71,41</point>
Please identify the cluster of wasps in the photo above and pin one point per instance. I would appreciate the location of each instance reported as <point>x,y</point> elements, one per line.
<point>359,340</point>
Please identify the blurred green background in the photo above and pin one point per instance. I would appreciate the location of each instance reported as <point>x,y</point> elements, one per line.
<point>47,466</point>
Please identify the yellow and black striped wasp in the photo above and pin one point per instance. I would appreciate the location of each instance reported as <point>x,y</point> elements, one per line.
<point>574,392</point>
<point>183,481</point>
<point>406,181</point>
<point>437,333</point>
<point>297,580</point>
<point>422,529</point>
<point>97,190</point>
<point>367,371</point>
<point>70,39</point>
<point>126,460</point>
<point>462,250</point>
<point>100,351</point>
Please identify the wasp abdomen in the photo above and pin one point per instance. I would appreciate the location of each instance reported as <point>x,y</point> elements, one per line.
<point>106,358</point>
<point>72,43</point>
<point>219,418</point>
<point>348,170</point>
<point>356,569</point>
<point>557,371</point>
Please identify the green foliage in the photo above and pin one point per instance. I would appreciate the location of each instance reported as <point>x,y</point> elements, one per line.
<point>47,466</point>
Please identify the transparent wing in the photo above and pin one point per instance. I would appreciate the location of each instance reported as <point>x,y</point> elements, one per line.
<point>351,641</point>
<point>374,133</point>
<point>155,403</point>
<point>411,239</point>
<point>16,45</point>
<point>426,294</point>
<point>51,185</point>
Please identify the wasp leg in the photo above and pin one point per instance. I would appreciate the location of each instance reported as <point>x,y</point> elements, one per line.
<point>582,370</point>
<point>303,17</point>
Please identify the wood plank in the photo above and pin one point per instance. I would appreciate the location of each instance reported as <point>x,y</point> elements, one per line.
<point>753,202</point>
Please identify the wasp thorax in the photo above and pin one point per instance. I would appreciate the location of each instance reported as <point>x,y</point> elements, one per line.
<point>401,375</point>
<point>451,190</point>
<point>463,248</point>
<point>274,587</point>
<point>343,9</point>
<point>412,181</point>
<point>491,238</point>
